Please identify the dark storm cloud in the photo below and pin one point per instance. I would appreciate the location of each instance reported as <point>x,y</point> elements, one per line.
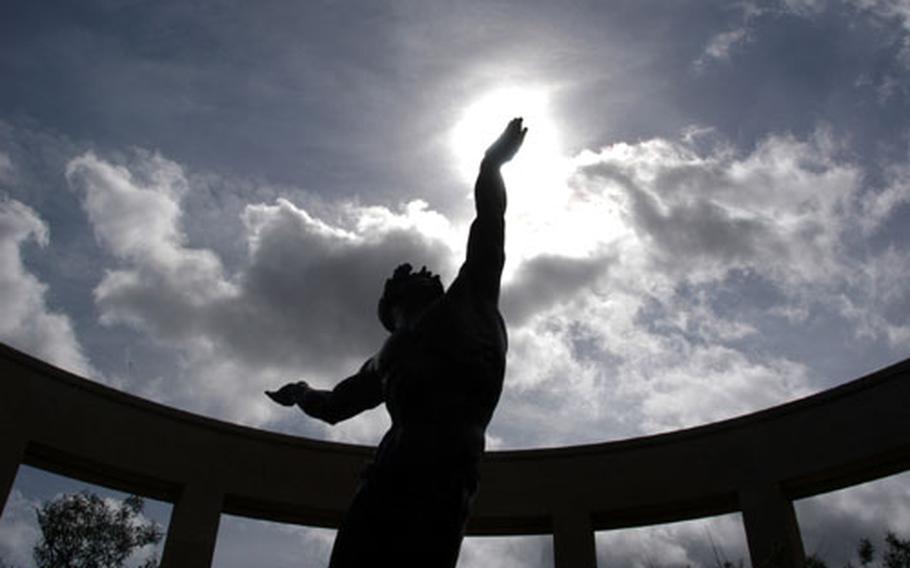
<point>546,280</point>
<point>303,303</point>
<point>317,295</point>
<point>691,228</point>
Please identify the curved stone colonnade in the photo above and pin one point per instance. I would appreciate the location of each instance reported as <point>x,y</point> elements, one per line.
<point>756,464</point>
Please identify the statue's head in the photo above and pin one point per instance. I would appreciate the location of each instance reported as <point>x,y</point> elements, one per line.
<point>408,291</point>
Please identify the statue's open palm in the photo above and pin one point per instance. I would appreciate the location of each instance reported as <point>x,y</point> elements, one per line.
<point>508,143</point>
<point>289,394</point>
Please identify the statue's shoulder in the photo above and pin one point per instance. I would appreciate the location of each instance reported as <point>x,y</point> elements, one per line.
<point>466,294</point>
<point>392,349</point>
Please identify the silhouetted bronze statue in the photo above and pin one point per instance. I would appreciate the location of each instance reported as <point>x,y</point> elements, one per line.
<point>440,375</point>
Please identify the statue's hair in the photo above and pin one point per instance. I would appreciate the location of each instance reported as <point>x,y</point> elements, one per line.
<point>407,286</point>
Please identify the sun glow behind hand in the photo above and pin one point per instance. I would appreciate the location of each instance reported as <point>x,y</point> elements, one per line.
<point>544,216</point>
<point>483,120</point>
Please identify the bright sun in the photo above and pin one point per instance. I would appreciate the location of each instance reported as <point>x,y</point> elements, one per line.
<point>539,196</point>
<point>539,159</point>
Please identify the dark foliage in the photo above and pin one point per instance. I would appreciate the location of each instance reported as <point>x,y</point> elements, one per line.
<point>897,554</point>
<point>865,551</point>
<point>81,530</point>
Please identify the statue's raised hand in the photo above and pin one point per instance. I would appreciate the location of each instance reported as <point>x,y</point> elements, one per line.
<point>507,145</point>
<point>290,394</point>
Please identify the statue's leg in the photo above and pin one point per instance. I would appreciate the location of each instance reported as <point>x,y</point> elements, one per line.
<point>403,523</point>
<point>435,529</point>
<point>375,528</point>
<point>358,541</point>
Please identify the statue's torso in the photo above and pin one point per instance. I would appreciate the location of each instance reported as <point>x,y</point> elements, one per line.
<point>442,379</point>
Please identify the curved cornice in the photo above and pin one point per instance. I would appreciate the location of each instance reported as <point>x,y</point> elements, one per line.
<point>840,437</point>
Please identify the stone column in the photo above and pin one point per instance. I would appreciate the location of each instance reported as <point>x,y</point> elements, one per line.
<point>573,539</point>
<point>15,426</point>
<point>193,529</point>
<point>12,449</point>
<point>771,528</point>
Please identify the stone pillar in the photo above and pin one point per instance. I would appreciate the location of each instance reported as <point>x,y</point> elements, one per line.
<point>12,449</point>
<point>573,539</point>
<point>771,528</point>
<point>15,426</point>
<point>193,529</point>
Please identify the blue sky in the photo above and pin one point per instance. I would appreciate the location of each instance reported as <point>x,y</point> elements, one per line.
<point>199,201</point>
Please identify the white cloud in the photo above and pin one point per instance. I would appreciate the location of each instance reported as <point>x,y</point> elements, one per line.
<point>888,9</point>
<point>607,372</point>
<point>780,209</point>
<point>637,340</point>
<point>714,382</point>
<point>27,322</point>
<point>703,543</point>
<point>303,305</point>
<point>832,523</point>
<point>721,45</point>
<point>19,530</point>
<point>877,207</point>
<point>136,221</point>
<point>877,300</point>
<point>7,171</point>
<point>805,7</point>
<point>247,542</point>
<point>507,552</point>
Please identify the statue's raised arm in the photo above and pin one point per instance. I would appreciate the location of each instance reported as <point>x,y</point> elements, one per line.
<point>486,241</point>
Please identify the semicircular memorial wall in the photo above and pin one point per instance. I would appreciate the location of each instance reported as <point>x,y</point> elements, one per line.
<point>755,464</point>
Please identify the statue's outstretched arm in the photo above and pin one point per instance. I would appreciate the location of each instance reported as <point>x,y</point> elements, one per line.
<point>486,241</point>
<point>355,394</point>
